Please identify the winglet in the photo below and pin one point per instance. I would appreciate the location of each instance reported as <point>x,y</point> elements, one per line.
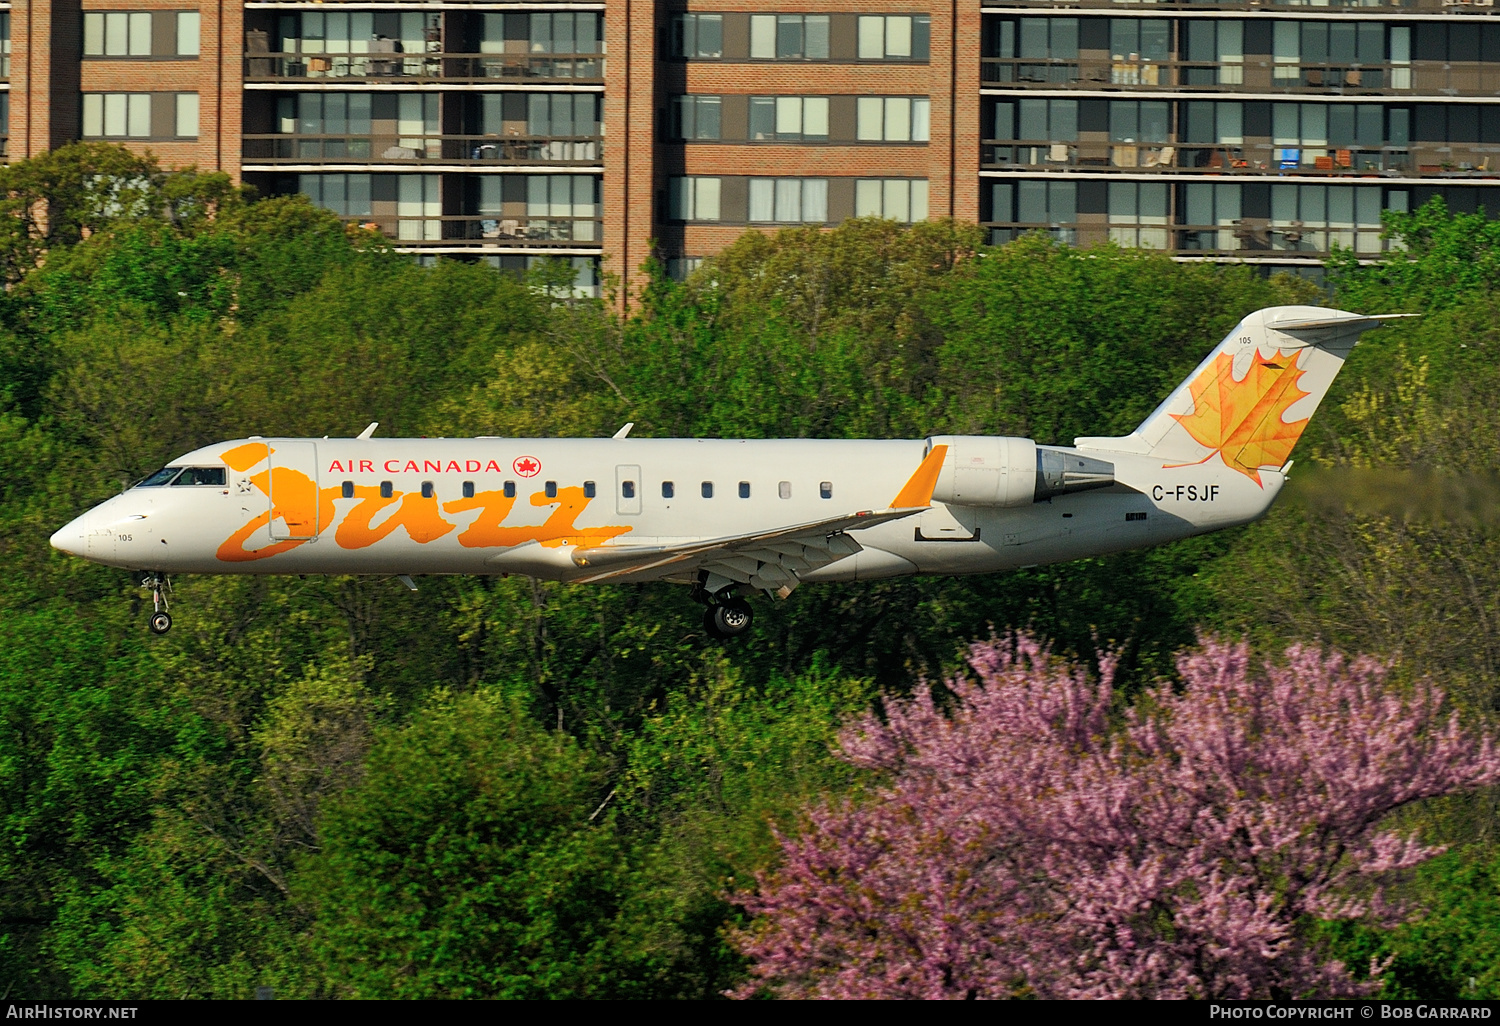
<point>368,432</point>
<point>623,431</point>
<point>918,489</point>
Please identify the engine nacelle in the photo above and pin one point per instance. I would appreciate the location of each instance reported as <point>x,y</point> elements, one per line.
<point>996,472</point>
<point>984,470</point>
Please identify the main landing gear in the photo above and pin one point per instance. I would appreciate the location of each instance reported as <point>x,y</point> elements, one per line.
<point>725,615</point>
<point>161,586</point>
<point>728,619</point>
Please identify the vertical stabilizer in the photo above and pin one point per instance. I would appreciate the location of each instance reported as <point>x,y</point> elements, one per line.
<point>1250,400</point>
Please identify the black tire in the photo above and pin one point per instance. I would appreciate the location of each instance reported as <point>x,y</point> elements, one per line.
<point>709,626</point>
<point>160,623</point>
<point>732,618</point>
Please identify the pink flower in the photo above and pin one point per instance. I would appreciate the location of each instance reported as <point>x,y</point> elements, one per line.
<point>1033,837</point>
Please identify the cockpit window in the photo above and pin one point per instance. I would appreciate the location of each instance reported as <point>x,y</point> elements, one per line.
<point>161,477</point>
<point>201,476</point>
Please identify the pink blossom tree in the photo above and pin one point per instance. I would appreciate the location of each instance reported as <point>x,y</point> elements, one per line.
<point>1037,839</point>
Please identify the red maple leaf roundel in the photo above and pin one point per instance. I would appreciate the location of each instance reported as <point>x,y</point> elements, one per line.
<point>527,466</point>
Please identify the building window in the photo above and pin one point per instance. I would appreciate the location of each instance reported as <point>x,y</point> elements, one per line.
<point>5,45</point>
<point>698,36</point>
<point>1334,124</point>
<point>897,37</point>
<point>140,115</point>
<point>1206,207</point>
<point>562,32</point>
<point>788,118</point>
<point>678,268</point>
<point>1145,39</point>
<point>188,23</point>
<point>1037,120</point>
<point>1146,121</point>
<point>789,37</point>
<point>1207,121</point>
<point>1138,214</point>
<point>788,200</point>
<point>324,114</point>
<point>1035,202</point>
<point>140,33</point>
<point>696,117</point>
<point>893,118</point>
<point>1319,44</point>
<point>693,199</point>
<point>898,199</point>
<point>1316,217</point>
<point>555,114</point>
<point>187,115</point>
<point>344,195</point>
<point>1218,46</point>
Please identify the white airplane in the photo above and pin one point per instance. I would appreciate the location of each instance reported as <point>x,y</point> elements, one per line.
<point>732,517</point>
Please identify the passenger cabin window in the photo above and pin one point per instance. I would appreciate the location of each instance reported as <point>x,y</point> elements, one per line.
<point>426,489</point>
<point>161,477</point>
<point>385,489</point>
<point>551,489</point>
<point>510,489</point>
<point>588,489</point>
<point>348,489</point>
<point>744,489</point>
<point>667,490</point>
<point>825,489</point>
<point>201,476</point>
<point>627,489</point>
<point>784,489</point>
<point>708,489</point>
<point>468,489</point>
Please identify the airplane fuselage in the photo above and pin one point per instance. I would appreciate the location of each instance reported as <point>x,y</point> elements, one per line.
<point>480,506</point>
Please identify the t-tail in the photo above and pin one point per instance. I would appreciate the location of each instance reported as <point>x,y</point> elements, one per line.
<point>1250,400</point>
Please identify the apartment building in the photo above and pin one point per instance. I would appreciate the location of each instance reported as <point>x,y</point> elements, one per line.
<point>1257,130</point>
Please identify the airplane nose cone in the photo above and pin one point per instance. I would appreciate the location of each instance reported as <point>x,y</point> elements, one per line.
<point>73,538</point>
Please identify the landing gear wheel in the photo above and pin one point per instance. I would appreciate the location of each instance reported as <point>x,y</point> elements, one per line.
<point>160,623</point>
<point>732,618</point>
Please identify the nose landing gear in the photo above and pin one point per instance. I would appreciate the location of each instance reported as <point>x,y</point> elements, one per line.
<point>161,586</point>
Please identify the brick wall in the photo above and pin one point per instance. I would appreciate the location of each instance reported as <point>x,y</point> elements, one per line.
<point>48,73</point>
<point>950,79</point>
<point>629,139</point>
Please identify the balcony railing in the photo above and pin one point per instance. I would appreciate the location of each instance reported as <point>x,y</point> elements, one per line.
<point>579,150</point>
<point>1421,160</point>
<point>1238,238</point>
<point>275,67</point>
<point>1256,74</point>
<point>481,231</point>
<point>1261,6</point>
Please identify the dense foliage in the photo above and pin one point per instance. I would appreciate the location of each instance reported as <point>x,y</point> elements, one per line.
<point>499,786</point>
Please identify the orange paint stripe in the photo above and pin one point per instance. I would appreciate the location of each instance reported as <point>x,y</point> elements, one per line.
<point>918,489</point>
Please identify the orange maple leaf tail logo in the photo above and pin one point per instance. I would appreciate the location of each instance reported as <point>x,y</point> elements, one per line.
<point>1243,420</point>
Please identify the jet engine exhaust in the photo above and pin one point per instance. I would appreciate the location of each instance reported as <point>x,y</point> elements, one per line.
<point>1062,473</point>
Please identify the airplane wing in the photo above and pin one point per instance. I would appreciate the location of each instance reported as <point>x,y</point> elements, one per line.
<point>769,560</point>
<point>763,559</point>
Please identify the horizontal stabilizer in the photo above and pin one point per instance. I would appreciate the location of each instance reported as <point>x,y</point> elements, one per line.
<point>1348,322</point>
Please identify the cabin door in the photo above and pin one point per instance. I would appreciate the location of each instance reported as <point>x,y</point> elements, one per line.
<point>294,491</point>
